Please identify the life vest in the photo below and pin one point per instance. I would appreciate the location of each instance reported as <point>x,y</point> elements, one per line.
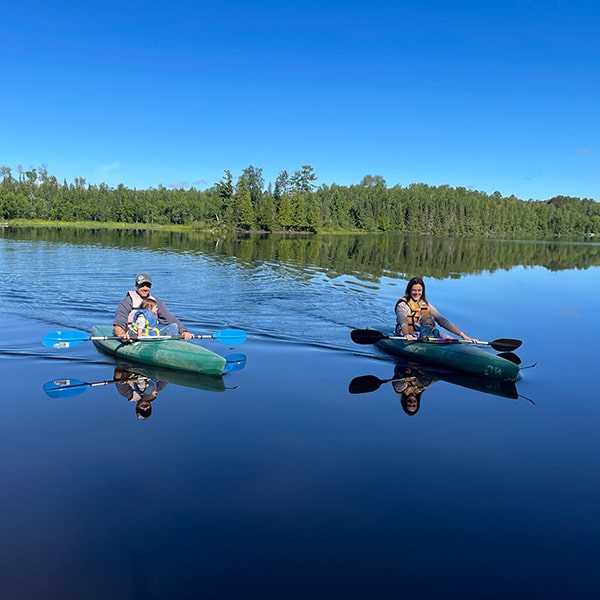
<point>151,326</point>
<point>417,310</point>
<point>414,389</point>
<point>136,299</point>
<point>408,385</point>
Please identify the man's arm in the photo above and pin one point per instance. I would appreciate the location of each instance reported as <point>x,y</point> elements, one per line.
<point>121,315</point>
<point>165,316</point>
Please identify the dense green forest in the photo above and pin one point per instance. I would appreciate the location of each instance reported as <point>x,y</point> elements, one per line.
<point>295,203</point>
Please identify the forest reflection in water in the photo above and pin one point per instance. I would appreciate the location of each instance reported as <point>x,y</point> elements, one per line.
<point>367,256</point>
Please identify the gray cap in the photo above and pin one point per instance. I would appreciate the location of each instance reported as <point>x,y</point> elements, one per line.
<point>143,278</point>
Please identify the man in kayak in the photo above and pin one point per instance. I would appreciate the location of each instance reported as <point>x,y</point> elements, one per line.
<point>413,307</point>
<point>169,323</point>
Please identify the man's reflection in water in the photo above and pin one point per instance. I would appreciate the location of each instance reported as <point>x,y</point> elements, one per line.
<point>410,385</point>
<point>139,389</point>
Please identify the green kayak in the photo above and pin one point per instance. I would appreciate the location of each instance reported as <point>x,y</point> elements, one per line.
<point>170,354</point>
<point>452,354</point>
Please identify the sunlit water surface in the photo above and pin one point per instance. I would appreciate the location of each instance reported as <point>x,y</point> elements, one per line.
<point>283,483</point>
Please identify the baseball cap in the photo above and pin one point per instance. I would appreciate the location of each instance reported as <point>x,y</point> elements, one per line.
<point>143,278</point>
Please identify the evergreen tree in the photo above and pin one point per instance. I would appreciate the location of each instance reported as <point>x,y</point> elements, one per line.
<point>246,216</point>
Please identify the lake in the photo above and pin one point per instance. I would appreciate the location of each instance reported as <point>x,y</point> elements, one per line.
<point>286,481</point>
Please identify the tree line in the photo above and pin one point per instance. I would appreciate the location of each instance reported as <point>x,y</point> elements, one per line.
<point>294,203</point>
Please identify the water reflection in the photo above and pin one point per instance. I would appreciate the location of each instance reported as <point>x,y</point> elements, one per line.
<point>360,255</point>
<point>141,385</point>
<point>138,388</point>
<point>409,381</point>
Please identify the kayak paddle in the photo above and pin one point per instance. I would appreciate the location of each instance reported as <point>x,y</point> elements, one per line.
<point>69,338</point>
<point>367,383</point>
<point>510,356</point>
<point>372,336</point>
<point>234,362</point>
<point>66,388</point>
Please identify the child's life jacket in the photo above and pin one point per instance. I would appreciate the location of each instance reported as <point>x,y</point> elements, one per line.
<point>144,319</point>
<point>427,331</point>
<point>426,327</point>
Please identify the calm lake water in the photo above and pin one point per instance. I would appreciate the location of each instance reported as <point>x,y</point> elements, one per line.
<point>284,482</point>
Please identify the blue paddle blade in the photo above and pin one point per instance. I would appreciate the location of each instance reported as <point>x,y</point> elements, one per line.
<point>235,362</point>
<point>64,339</point>
<point>230,336</point>
<point>65,388</point>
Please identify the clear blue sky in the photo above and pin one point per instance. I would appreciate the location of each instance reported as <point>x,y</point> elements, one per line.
<point>494,95</point>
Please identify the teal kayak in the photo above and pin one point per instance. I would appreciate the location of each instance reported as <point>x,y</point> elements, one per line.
<point>452,354</point>
<point>167,353</point>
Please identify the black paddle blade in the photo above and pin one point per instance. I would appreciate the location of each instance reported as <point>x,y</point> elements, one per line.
<point>365,384</point>
<point>366,336</point>
<point>505,344</point>
<point>510,356</point>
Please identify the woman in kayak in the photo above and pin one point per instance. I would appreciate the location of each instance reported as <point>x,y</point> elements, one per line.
<point>413,311</point>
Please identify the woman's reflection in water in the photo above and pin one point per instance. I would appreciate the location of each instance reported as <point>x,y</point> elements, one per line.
<point>410,385</point>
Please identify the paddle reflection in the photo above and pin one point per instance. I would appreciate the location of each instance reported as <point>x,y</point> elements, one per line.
<point>410,381</point>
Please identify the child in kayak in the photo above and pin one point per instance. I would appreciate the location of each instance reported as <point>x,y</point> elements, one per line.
<point>426,328</point>
<point>144,320</point>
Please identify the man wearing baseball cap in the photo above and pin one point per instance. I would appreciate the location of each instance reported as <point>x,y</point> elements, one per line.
<point>170,324</point>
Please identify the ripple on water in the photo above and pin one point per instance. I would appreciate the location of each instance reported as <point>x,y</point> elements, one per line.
<point>78,285</point>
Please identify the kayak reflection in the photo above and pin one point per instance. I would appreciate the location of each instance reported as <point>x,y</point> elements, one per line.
<point>141,385</point>
<point>409,381</point>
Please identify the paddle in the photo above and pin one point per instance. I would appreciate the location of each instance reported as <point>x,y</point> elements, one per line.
<point>235,362</point>
<point>367,383</point>
<point>69,338</point>
<point>372,336</point>
<point>67,388</point>
<point>510,356</point>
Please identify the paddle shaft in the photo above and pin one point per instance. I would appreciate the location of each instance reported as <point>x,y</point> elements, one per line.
<point>372,336</point>
<point>69,338</point>
<point>67,388</point>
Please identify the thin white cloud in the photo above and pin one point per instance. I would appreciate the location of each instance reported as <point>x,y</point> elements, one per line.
<point>583,151</point>
<point>178,185</point>
<point>106,169</point>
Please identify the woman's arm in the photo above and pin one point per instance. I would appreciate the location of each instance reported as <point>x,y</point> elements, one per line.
<point>448,325</point>
<point>402,312</point>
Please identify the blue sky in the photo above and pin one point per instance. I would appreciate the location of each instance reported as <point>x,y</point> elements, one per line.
<point>493,95</point>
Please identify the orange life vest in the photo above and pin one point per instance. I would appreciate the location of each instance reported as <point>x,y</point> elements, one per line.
<point>417,310</point>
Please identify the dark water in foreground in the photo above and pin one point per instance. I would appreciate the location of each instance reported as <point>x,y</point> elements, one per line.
<point>282,483</point>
